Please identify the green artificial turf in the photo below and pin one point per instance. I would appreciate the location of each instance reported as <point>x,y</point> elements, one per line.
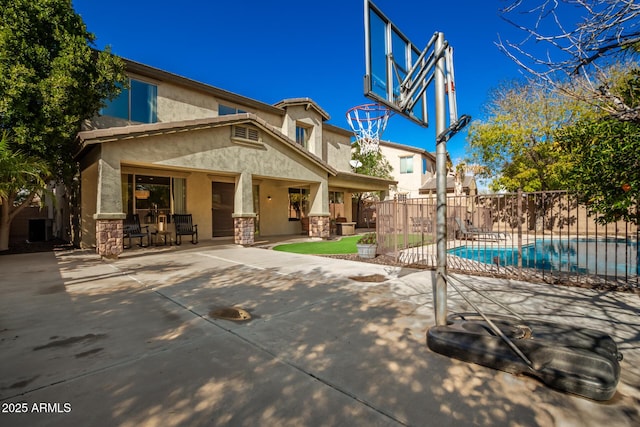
<point>346,245</point>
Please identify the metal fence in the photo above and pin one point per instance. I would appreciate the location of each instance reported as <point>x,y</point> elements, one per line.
<point>540,235</point>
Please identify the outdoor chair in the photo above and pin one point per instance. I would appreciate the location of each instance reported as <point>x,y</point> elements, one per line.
<point>185,227</point>
<point>470,231</point>
<point>419,224</point>
<point>132,229</point>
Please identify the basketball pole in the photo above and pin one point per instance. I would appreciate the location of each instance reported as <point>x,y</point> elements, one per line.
<point>440,286</point>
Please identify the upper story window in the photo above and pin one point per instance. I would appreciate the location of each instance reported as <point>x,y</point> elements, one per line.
<point>138,103</point>
<point>406,164</point>
<point>302,136</point>
<point>225,110</point>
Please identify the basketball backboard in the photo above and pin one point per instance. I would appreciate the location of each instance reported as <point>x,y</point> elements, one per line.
<point>398,72</point>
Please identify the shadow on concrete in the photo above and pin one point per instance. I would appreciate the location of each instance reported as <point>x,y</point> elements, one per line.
<point>130,343</point>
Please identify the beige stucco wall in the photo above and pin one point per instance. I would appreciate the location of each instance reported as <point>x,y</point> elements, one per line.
<point>338,150</point>
<point>274,213</point>
<point>306,117</point>
<point>407,182</point>
<point>88,196</point>
<point>176,103</point>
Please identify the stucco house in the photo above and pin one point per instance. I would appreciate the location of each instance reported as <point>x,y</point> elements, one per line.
<point>415,171</point>
<point>240,167</point>
<point>467,186</point>
<point>412,167</point>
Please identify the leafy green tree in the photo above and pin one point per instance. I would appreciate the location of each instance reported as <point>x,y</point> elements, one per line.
<point>372,164</point>
<point>603,165</point>
<point>51,80</point>
<point>515,145</point>
<point>21,179</point>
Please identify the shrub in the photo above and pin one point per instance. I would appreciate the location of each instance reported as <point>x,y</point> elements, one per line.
<point>368,239</point>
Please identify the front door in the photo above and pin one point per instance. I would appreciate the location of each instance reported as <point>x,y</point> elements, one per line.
<point>222,205</point>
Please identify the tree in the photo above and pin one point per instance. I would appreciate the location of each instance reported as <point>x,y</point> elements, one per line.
<point>51,80</point>
<point>372,164</point>
<point>21,179</point>
<point>576,41</point>
<point>515,145</point>
<point>603,165</point>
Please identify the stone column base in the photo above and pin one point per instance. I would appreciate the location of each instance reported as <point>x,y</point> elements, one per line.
<point>244,230</point>
<point>319,226</point>
<point>109,237</point>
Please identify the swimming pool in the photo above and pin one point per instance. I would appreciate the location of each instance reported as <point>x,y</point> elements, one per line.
<point>608,257</point>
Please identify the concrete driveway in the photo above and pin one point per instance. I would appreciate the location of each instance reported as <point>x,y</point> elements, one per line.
<point>131,343</point>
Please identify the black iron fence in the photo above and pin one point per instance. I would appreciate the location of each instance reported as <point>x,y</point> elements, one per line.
<point>545,235</point>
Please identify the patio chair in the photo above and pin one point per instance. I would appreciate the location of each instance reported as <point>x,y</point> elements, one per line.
<point>470,231</point>
<point>132,228</point>
<point>419,224</point>
<point>185,227</point>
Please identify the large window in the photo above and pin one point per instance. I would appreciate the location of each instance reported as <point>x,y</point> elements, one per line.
<point>298,203</point>
<point>406,164</point>
<point>138,103</point>
<point>151,196</point>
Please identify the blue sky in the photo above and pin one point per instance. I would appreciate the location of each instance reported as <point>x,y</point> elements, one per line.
<point>272,50</point>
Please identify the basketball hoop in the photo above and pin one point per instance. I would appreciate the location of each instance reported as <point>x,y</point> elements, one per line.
<point>368,122</point>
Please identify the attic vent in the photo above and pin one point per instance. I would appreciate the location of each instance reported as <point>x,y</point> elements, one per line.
<point>243,132</point>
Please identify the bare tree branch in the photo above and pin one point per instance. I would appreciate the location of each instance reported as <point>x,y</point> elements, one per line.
<point>556,48</point>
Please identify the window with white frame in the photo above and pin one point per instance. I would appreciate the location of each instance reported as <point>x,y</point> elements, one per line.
<point>406,164</point>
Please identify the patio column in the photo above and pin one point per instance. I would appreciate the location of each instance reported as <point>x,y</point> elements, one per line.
<point>109,215</point>
<point>244,216</point>
<point>319,216</point>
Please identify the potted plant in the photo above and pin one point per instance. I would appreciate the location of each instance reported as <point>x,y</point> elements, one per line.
<point>367,245</point>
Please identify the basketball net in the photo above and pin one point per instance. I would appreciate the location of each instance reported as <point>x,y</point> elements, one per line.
<point>368,122</point>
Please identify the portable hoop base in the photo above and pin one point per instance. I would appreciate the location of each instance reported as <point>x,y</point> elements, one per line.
<point>576,360</point>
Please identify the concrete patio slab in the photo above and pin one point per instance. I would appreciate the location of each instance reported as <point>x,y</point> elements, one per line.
<point>131,342</point>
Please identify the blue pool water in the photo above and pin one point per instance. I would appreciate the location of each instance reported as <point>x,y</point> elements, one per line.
<point>610,257</point>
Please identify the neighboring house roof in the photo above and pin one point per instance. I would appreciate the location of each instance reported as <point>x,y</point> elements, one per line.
<point>468,182</point>
<point>100,136</point>
<point>306,102</point>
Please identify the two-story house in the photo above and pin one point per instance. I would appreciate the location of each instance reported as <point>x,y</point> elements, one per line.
<point>241,167</point>
<point>412,167</point>
<point>415,171</point>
